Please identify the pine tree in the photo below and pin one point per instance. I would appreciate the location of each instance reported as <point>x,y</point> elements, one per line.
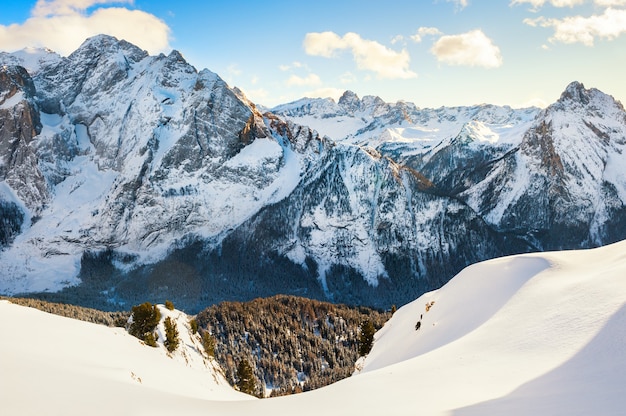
<point>193,324</point>
<point>150,340</point>
<point>208,342</point>
<point>366,337</point>
<point>169,305</point>
<point>245,377</point>
<point>171,335</point>
<point>145,319</point>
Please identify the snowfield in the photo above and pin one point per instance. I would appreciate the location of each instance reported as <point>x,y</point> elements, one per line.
<point>534,334</point>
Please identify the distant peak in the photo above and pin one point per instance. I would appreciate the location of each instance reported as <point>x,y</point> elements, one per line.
<point>99,44</point>
<point>348,96</point>
<point>575,91</point>
<point>349,101</point>
<point>101,39</point>
<point>176,56</point>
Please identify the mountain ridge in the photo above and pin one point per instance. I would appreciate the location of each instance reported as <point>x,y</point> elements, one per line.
<point>149,179</point>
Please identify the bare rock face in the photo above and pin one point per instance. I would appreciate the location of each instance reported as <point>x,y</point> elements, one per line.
<point>19,126</point>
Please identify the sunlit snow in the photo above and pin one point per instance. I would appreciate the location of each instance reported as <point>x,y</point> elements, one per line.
<point>529,334</point>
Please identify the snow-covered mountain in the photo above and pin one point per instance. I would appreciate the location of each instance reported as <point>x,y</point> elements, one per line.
<point>536,333</point>
<point>126,177</point>
<point>115,150</point>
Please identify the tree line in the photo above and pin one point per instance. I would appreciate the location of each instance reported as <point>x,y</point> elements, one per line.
<point>292,344</point>
<point>268,346</point>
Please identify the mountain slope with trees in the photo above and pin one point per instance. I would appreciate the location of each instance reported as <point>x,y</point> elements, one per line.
<point>292,344</point>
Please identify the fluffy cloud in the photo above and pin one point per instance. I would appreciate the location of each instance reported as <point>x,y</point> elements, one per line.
<point>610,3</point>
<point>294,64</point>
<point>578,29</point>
<point>45,8</point>
<point>461,4</point>
<point>425,31</point>
<point>347,78</point>
<point>368,55</point>
<point>470,49</point>
<point>257,96</point>
<point>310,80</point>
<point>537,4</point>
<point>62,25</point>
<point>326,92</point>
<point>396,39</point>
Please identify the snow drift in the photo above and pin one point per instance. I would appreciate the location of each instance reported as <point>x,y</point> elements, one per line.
<point>528,334</point>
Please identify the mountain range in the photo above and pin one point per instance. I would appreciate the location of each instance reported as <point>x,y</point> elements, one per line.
<point>126,177</point>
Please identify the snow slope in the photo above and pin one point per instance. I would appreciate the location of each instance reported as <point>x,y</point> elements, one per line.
<point>55,365</point>
<point>528,334</point>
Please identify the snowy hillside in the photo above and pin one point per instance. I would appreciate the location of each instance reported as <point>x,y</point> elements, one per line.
<point>53,365</point>
<point>530,334</point>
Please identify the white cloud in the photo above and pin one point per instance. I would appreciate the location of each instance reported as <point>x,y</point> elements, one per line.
<point>610,3</point>
<point>460,4</point>
<point>469,49</point>
<point>44,8</point>
<point>257,96</point>
<point>310,80</point>
<point>233,70</point>
<point>425,31</point>
<point>294,64</point>
<point>396,39</point>
<point>579,29</point>
<point>537,4</point>
<point>368,54</point>
<point>323,44</point>
<point>62,25</point>
<point>534,102</point>
<point>326,92</point>
<point>348,78</point>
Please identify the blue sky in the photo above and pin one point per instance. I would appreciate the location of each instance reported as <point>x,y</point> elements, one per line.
<point>430,52</point>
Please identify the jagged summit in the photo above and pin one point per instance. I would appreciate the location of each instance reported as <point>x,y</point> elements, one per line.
<point>575,91</point>
<point>349,101</point>
<point>577,97</point>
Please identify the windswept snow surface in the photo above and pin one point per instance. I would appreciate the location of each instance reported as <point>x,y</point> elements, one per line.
<point>533,334</point>
<point>54,365</point>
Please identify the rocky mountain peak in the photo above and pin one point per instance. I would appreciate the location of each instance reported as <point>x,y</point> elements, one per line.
<point>176,56</point>
<point>575,91</point>
<point>349,101</point>
<point>591,101</point>
<point>94,48</point>
<point>373,101</point>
